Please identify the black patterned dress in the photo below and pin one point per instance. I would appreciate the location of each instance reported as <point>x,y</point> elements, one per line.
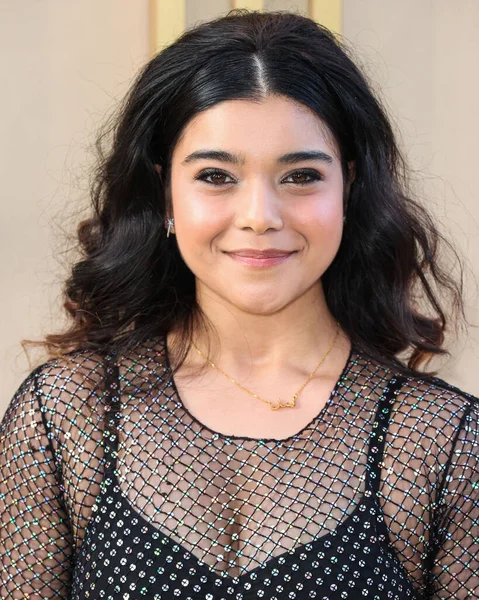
<point>111,489</point>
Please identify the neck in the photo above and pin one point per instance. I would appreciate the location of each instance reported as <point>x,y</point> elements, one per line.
<point>293,339</point>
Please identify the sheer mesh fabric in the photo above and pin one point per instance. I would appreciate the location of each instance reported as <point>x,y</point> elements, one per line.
<point>234,503</point>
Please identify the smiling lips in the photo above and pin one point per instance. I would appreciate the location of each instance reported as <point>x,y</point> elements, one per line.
<point>260,258</point>
<point>269,253</point>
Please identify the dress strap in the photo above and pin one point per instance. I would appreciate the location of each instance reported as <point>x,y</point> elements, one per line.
<point>112,412</point>
<point>379,432</point>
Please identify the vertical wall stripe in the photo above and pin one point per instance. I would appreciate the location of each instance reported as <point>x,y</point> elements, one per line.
<point>167,22</point>
<point>250,4</point>
<point>168,17</point>
<point>328,13</point>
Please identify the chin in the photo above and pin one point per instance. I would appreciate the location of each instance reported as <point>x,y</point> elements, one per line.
<point>259,306</point>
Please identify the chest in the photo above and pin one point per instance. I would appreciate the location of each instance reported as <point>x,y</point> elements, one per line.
<point>227,409</point>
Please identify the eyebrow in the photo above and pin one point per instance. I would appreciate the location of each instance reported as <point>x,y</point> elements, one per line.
<point>236,159</point>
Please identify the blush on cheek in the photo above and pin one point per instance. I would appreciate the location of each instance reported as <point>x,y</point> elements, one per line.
<point>330,210</point>
<point>325,214</point>
<point>199,210</point>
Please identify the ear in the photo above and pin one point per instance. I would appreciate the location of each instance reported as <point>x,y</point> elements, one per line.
<point>352,171</point>
<point>158,169</point>
<point>350,179</point>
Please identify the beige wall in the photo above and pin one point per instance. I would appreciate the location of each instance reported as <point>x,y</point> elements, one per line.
<point>423,55</point>
<point>65,64</point>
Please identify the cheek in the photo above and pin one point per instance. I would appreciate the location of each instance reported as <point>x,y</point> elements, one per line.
<point>197,220</point>
<point>191,211</point>
<point>323,214</point>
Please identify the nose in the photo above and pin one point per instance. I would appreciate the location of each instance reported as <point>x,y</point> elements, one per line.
<point>258,207</point>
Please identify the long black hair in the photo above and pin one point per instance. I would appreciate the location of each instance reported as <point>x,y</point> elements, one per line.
<point>131,283</point>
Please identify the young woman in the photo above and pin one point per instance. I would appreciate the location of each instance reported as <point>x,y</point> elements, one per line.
<point>227,417</point>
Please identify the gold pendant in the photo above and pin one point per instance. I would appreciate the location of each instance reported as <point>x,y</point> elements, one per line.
<point>281,404</point>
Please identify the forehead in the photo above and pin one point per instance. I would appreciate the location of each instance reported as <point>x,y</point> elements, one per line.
<point>271,126</point>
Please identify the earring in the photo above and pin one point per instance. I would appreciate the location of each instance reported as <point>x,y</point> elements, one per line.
<point>171,223</point>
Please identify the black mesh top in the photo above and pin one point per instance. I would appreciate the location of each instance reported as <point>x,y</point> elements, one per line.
<point>110,488</point>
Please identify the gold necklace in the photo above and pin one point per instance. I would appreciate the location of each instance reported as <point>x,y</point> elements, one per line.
<point>279,403</point>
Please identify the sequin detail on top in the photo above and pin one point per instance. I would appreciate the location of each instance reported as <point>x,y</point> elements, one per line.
<point>376,498</point>
<point>350,561</point>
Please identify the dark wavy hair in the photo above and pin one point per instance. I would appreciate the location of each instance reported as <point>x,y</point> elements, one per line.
<point>385,286</point>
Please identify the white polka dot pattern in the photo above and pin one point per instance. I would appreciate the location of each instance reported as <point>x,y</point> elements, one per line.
<point>112,489</point>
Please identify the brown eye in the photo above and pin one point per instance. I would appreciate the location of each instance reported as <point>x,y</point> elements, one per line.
<point>217,177</point>
<point>299,177</point>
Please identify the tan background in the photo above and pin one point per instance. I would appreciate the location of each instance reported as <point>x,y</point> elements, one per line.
<point>64,65</point>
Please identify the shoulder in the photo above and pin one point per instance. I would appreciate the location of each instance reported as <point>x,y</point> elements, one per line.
<point>435,413</point>
<point>60,388</point>
<point>434,398</point>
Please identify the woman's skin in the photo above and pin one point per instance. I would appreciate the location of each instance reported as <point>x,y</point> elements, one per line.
<point>273,323</point>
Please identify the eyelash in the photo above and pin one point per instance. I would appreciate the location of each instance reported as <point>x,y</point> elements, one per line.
<point>314,175</point>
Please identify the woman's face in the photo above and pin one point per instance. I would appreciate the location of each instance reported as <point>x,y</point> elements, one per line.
<point>273,179</point>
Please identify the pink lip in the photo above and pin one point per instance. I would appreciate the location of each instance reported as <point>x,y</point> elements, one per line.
<point>257,261</point>
<point>260,253</point>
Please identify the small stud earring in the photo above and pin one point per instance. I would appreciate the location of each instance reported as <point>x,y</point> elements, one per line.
<point>171,223</point>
